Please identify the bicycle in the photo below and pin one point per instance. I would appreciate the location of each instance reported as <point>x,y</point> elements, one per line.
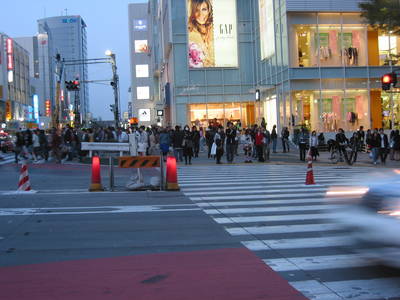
<point>338,152</point>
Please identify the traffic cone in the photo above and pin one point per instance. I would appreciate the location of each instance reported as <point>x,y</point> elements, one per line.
<point>172,175</point>
<point>96,186</point>
<point>24,184</point>
<point>310,173</point>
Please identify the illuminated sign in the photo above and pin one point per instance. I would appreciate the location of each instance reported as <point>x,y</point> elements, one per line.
<point>10,62</point>
<point>8,111</point>
<point>71,20</point>
<point>144,115</point>
<point>48,108</point>
<point>11,76</point>
<point>142,71</point>
<point>143,92</point>
<point>267,28</point>
<point>141,46</point>
<point>140,24</point>
<point>62,95</point>
<point>36,107</point>
<point>212,34</point>
<point>9,43</point>
<point>160,113</point>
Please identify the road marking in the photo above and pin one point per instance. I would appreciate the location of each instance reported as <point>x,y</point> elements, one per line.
<point>273,196</point>
<point>263,190</point>
<point>255,219</point>
<point>263,202</point>
<point>94,210</point>
<point>309,263</point>
<point>299,243</point>
<point>282,229</point>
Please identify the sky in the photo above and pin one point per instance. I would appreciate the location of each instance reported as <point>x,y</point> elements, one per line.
<point>107,28</point>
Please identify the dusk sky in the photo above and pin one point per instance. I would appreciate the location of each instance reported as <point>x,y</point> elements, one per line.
<point>107,28</point>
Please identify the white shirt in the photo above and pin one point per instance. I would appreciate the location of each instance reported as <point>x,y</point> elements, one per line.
<point>35,140</point>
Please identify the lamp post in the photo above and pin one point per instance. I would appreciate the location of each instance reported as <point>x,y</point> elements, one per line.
<point>114,84</point>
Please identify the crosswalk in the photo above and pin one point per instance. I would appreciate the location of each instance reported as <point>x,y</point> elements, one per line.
<point>290,226</point>
<point>7,158</point>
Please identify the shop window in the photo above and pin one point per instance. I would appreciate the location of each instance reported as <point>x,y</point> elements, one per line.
<point>390,110</point>
<point>198,115</point>
<point>389,49</point>
<point>330,45</point>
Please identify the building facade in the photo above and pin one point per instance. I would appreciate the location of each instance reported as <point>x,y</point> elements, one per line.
<point>314,63</point>
<point>143,99</point>
<point>16,109</point>
<point>66,36</point>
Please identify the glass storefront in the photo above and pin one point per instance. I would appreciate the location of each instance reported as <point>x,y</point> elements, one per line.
<point>389,49</point>
<point>390,110</point>
<point>203,115</point>
<point>330,45</point>
<point>330,110</point>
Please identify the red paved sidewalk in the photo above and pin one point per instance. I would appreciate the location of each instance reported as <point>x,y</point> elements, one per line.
<point>199,275</point>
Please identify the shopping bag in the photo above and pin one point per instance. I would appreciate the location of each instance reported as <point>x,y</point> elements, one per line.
<point>213,149</point>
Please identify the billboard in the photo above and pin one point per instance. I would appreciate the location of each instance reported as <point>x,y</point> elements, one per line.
<point>212,34</point>
<point>141,46</point>
<point>144,115</point>
<point>140,24</point>
<point>267,28</point>
<point>143,93</point>
<point>142,71</point>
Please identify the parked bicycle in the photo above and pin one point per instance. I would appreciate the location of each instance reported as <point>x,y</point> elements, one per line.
<point>340,152</point>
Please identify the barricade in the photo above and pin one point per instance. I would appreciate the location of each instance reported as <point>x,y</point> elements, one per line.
<point>142,162</point>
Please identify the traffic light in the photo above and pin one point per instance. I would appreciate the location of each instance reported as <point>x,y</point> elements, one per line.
<point>389,80</point>
<point>72,85</point>
<point>112,106</point>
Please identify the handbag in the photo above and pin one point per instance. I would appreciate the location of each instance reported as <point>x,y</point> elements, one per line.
<point>213,149</point>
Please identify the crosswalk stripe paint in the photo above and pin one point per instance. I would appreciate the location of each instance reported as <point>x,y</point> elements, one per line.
<point>309,263</point>
<point>255,219</point>
<point>376,288</point>
<point>264,190</point>
<point>262,202</point>
<point>299,243</point>
<point>244,186</point>
<point>273,196</point>
<point>250,210</point>
<point>282,229</point>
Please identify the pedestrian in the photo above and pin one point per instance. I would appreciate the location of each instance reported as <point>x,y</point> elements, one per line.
<point>274,138</point>
<point>177,143</point>
<point>314,145</point>
<point>230,135</point>
<point>303,141</point>
<point>259,142</point>
<point>36,146</point>
<point>247,142</point>
<point>19,145</point>
<point>391,144</point>
<point>374,141</point>
<point>196,141</point>
<point>266,143</point>
<point>384,145</point>
<point>396,145</point>
<point>44,144</point>
<point>219,142</point>
<point>187,145</point>
<point>285,139</point>
<point>165,142</point>
<point>56,142</point>
<point>142,141</point>
<point>210,133</point>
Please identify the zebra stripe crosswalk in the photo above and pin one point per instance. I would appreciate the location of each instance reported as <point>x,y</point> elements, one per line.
<point>7,158</point>
<point>290,226</point>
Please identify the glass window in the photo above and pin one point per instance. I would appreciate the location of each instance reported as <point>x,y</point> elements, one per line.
<point>141,46</point>
<point>387,115</point>
<point>198,115</point>
<point>389,49</point>
<point>143,92</point>
<point>142,71</point>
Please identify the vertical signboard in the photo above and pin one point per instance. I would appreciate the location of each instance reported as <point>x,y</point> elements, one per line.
<point>48,108</point>
<point>8,111</point>
<point>267,28</point>
<point>36,108</point>
<point>212,33</point>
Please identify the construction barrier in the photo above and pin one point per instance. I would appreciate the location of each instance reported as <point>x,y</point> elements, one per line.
<point>95,185</point>
<point>24,184</point>
<point>172,175</point>
<point>139,161</point>
<point>310,173</point>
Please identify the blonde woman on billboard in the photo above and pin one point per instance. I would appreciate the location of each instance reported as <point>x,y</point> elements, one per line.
<point>201,34</point>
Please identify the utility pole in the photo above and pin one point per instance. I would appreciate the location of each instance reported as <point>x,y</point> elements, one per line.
<point>115,85</point>
<point>59,72</point>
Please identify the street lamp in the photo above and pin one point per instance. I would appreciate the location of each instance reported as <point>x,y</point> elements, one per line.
<point>114,84</point>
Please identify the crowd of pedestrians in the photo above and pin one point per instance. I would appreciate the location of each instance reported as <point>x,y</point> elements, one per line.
<point>254,143</point>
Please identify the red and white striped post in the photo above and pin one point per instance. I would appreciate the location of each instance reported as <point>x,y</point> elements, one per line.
<point>24,184</point>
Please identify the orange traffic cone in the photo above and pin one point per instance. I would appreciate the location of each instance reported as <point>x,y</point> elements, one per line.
<point>310,173</point>
<point>24,184</point>
<point>96,186</point>
<point>172,175</point>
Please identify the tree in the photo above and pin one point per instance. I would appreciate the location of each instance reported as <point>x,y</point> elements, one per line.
<point>382,14</point>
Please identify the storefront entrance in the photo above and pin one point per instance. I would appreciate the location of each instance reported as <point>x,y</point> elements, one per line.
<point>240,113</point>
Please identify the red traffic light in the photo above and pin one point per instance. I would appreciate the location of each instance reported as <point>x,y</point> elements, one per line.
<point>387,78</point>
<point>76,82</point>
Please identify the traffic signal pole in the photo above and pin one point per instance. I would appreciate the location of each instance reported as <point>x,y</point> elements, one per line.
<point>114,84</point>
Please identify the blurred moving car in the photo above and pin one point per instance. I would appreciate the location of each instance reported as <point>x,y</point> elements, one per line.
<point>6,143</point>
<point>372,217</point>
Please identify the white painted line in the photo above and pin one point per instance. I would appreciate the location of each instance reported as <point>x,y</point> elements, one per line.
<point>255,219</point>
<point>244,179</point>
<point>260,202</point>
<point>282,229</point>
<point>90,210</point>
<point>249,186</point>
<point>240,197</point>
<point>319,242</point>
<point>315,290</point>
<point>214,183</point>
<point>377,288</point>
<point>319,262</point>
<point>264,190</point>
<point>250,210</point>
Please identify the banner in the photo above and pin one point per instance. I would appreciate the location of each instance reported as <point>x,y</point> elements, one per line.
<point>267,28</point>
<point>8,111</point>
<point>212,34</point>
